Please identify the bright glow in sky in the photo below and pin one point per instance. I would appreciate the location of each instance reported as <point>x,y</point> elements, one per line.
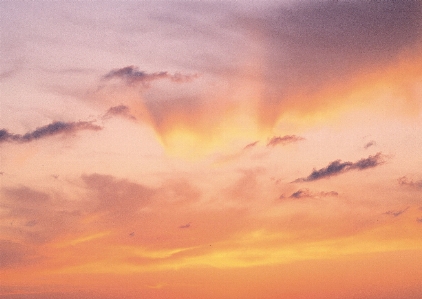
<point>199,149</point>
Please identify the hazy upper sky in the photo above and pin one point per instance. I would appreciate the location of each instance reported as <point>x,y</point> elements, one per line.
<point>200,149</point>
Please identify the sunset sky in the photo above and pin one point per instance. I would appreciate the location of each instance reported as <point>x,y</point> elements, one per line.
<point>211,150</point>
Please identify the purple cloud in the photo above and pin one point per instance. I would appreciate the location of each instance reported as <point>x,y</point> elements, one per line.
<point>338,167</point>
<point>132,75</point>
<point>54,128</point>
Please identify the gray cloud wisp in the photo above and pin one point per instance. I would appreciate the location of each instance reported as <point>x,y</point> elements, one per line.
<point>276,140</point>
<point>132,75</point>
<point>338,167</point>
<point>306,193</point>
<point>120,110</point>
<point>54,128</point>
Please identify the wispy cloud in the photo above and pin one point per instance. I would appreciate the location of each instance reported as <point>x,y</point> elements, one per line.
<point>338,167</point>
<point>276,140</point>
<point>369,144</point>
<point>54,128</point>
<point>396,213</point>
<point>120,110</point>
<point>306,193</point>
<point>404,181</point>
<point>251,145</point>
<point>185,226</point>
<point>132,75</point>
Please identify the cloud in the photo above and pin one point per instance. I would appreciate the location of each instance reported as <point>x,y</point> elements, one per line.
<point>120,110</point>
<point>117,200</point>
<point>132,75</point>
<point>404,181</point>
<point>301,194</point>
<point>52,129</point>
<point>419,220</point>
<point>35,216</point>
<point>14,254</point>
<point>251,145</point>
<point>338,167</point>
<point>322,46</point>
<point>284,140</point>
<point>396,213</point>
<point>369,144</point>
<point>185,226</point>
<point>306,193</point>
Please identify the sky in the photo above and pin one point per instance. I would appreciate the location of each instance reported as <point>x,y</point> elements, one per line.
<point>211,149</point>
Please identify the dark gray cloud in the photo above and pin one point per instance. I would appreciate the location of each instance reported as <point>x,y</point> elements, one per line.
<point>330,38</point>
<point>316,43</point>
<point>404,181</point>
<point>338,167</point>
<point>301,194</point>
<point>306,193</point>
<point>396,213</point>
<point>132,75</point>
<point>120,110</point>
<point>276,140</point>
<point>187,225</point>
<point>369,144</point>
<point>54,128</point>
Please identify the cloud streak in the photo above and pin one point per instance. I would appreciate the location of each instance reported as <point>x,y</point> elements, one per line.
<point>396,213</point>
<point>369,144</point>
<point>338,167</point>
<point>55,128</point>
<point>276,140</point>
<point>132,75</point>
<point>120,110</point>
<point>306,193</point>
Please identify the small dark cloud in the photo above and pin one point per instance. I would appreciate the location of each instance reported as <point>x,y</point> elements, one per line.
<point>185,226</point>
<point>306,193</point>
<point>54,128</point>
<point>276,140</point>
<point>302,193</point>
<point>338,167</point>
<point>369,144</point>
<point>396,213</point>
<point>404,181</point>
<point>132,75</point>
<point>419,220</point>
<point>120,110</point>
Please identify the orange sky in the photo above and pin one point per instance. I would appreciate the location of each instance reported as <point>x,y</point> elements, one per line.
<point>211,150</point>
